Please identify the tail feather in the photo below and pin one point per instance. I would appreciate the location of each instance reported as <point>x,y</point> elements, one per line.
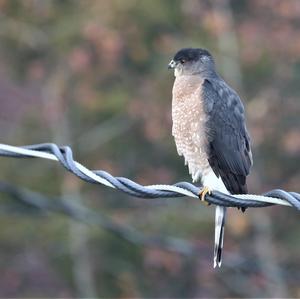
<point>219,235</point>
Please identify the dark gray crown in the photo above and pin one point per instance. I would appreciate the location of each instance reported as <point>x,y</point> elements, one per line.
<point>191,54</point>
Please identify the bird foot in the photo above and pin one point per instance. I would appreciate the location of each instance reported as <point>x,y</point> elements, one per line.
<point>202,194</point>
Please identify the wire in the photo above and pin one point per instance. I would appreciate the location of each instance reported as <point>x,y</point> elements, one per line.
<point>64,156</point>
<point>76,211</point>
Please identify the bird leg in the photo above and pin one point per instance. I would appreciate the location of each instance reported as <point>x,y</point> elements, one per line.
<point>203,192</point>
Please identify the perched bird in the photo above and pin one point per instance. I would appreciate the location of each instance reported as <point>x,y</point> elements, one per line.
<point>209,130</point>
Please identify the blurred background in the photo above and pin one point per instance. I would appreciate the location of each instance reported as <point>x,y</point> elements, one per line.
<point>93,75</point>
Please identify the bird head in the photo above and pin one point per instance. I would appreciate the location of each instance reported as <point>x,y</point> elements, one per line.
<point>191,61</point>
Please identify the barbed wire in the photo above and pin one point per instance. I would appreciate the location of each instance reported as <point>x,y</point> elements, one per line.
<point>64,155</point>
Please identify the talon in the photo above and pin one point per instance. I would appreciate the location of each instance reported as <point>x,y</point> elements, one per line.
<point>203,192</point>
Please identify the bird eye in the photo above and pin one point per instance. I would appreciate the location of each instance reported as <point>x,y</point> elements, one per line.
<point>182,61</point>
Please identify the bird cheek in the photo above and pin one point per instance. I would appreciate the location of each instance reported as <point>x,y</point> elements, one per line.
<point>177,71</point>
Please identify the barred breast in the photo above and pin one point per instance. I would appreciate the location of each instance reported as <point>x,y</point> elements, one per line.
<point>189,120</point>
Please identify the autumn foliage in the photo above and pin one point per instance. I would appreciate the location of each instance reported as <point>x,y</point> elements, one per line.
<point>93,75</point>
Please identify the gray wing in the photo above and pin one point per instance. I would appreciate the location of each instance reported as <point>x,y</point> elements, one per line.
<point>229,152</point>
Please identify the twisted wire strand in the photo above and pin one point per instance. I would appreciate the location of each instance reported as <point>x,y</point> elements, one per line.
<point>44,204</point>
<point>64,156</point>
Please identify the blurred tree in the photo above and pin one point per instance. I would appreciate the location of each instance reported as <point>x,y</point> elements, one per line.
<point>92,74</point>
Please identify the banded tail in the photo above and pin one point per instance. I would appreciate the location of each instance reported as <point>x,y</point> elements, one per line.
<point>219,235</point>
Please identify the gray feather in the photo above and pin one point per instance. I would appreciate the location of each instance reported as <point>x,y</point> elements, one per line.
<point>219,235</point>
<point>229,152</point>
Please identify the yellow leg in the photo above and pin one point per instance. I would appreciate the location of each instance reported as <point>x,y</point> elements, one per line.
<point>203,192</point>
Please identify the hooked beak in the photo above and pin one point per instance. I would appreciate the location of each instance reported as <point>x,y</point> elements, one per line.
<point>172,64</point>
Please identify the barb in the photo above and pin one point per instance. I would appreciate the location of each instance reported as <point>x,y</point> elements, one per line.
<point>64,156</point>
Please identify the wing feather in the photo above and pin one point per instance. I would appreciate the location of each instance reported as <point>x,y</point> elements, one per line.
<point>228,150</point>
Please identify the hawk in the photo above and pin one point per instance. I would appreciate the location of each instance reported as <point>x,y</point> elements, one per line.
<point>209,130</point>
